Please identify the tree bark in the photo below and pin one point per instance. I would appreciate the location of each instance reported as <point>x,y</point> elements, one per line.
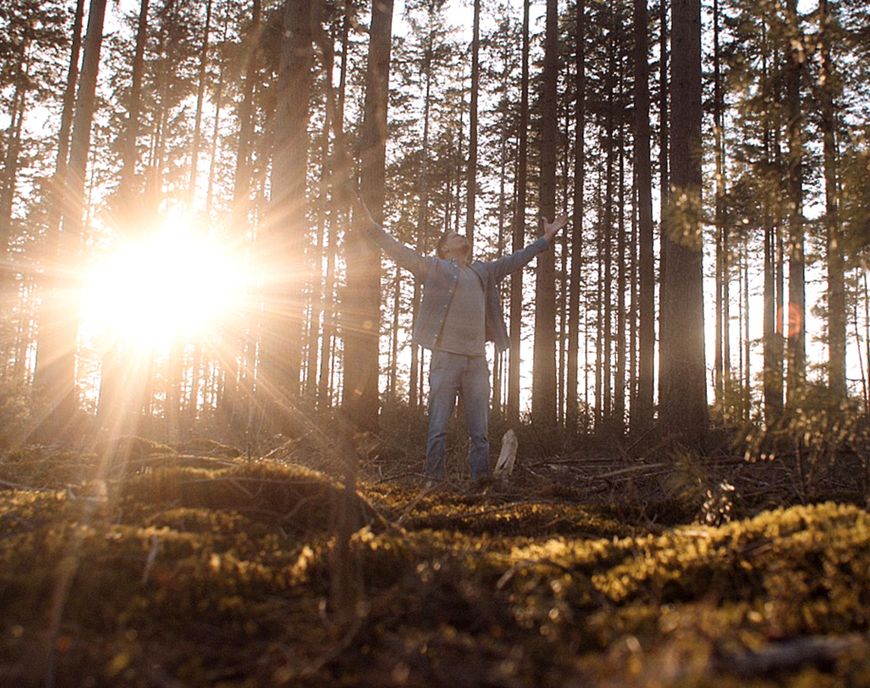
<point>642,409</point>
<point>796,347</point>
<point>471,171</point>
<point>572,407</point>
<point>544,373</point>
<point>836,278</point>
<point>200,95</point>
<point>722,362</point>
<point>55,382</point>
<point>362,307</point>
<point>282,240</point>
<point>518,235</point>
<point>683,380</point>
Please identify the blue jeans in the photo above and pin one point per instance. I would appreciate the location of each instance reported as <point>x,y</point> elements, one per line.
<point>468,376</point>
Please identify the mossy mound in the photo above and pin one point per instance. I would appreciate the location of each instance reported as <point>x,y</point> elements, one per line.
<point>132,447</point>
<point>207,447</point>
<point>223,577</point>
<point>287,495</point>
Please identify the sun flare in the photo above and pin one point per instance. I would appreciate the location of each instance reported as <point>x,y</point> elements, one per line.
<point>175,284</point>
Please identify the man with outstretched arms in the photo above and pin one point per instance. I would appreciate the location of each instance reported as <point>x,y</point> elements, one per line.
<point>459,313</point>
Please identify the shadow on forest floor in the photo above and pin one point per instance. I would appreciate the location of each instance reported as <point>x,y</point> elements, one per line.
<point>196,567</point>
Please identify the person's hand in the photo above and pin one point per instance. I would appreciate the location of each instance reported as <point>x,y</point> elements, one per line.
<point>550,229</point>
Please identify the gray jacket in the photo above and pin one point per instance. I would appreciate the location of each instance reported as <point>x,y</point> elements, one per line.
<point>439,277</point>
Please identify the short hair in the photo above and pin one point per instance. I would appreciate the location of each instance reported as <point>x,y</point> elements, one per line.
<point>439,247</point>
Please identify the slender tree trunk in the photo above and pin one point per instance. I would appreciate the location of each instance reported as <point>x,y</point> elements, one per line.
<point>772,333</point>
<point>607,240</point>
<point>200,95</point>
<point>544,375</point>
<point>683,376</point>
<point>642,415</point>
<point>56,356</point>
<point>619,391</point>
<point>836,277</point>
<point>502,202</point>
<point>599,307</point>
<point>328,338</point>
<point>218,109</point>
<point>664,175</point>
<point>242,182</point>
<point>69,97</point>
<point>632,311</point>
<point>416,382</point>
<point>796,351</point>
<point>722,364</point>
<point>238,390</point>
<point>363,266</point>
<point>282,240</point>
<point>471,172</point>
<point>518,235</point>
<point>572,407</point>
<point>747,343</point>
<point>394,337</point>
<point>13,148</point>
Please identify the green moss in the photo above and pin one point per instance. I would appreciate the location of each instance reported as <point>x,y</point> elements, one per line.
<point>221,576</point>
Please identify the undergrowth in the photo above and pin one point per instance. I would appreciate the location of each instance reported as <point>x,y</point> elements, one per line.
<point>219,574</point>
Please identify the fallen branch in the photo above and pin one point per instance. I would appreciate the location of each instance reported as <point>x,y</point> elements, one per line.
<point>818,651</point>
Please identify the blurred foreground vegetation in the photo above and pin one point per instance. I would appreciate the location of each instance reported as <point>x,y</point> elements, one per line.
<point>195,566</point>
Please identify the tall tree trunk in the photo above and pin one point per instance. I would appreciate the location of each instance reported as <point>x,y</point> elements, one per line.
<point>747,343</point>
<point>392,375</point>
<point>607,239</point>
<point>416,381</point>
<point>772,354</point>
<point>216,127</point>
<point>362,310</point>
<point>664,143</point>
<point>683,381</point>
<point>619,390</point>
<point>200,95</point>
<point>544,373</point>
<point>796,351</point>
<point>282,240</point>
<point>722,354</point>
<point>632,311</point>
<point>497,373</point>
<point>643,408</point>
<point>326,345</point>
<point>518,235</point>
<point>572,408</point>
<point>129,151</point>
<point>237,390</point>
<point>56,356</point>
<point>66,118</point>
<point>836,279</point>
<point>599,305</point>
<point>13,148</point>
<point>242,177</point>
<point>471,171</point>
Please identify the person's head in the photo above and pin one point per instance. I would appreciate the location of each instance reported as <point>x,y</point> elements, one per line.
<point>453,246</point>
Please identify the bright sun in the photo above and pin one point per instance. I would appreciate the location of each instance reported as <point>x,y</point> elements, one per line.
<point>177,283</point>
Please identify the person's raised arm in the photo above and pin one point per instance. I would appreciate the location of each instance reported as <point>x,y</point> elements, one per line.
<point>404,256</point>
<point>504,266</point>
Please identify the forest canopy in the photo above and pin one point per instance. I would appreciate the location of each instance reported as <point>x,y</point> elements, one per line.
<point>179,248</point>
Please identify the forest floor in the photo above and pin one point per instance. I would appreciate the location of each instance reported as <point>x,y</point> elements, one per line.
<point>198,567</point>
